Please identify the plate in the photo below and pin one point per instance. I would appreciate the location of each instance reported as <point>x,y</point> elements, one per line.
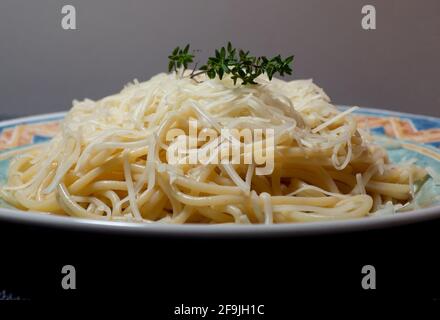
<point>418,137</point>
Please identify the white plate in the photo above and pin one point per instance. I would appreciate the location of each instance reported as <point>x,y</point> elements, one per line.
<point>40,128</point>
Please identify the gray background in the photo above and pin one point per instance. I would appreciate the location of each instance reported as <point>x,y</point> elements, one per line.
<point>43,67</point>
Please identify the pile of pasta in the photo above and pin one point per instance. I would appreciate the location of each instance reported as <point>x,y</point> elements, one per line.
<point>109,160</point>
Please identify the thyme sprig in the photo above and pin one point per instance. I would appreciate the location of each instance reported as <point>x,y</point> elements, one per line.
<point>241,66</point>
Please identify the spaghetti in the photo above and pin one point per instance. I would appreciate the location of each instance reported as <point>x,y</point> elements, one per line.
<point>109,161</point>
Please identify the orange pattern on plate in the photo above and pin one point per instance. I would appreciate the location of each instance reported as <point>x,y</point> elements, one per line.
<point>400,128</point>
<point>23,134</point>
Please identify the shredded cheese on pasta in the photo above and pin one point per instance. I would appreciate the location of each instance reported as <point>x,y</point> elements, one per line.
<point>109,159</point>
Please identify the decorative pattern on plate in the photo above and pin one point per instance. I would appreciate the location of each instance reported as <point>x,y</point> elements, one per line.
<point>26,134</point>
<point>403,126</point>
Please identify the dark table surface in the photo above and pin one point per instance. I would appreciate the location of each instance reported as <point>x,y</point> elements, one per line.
<point>318,268</point>
<point>308,268</point>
